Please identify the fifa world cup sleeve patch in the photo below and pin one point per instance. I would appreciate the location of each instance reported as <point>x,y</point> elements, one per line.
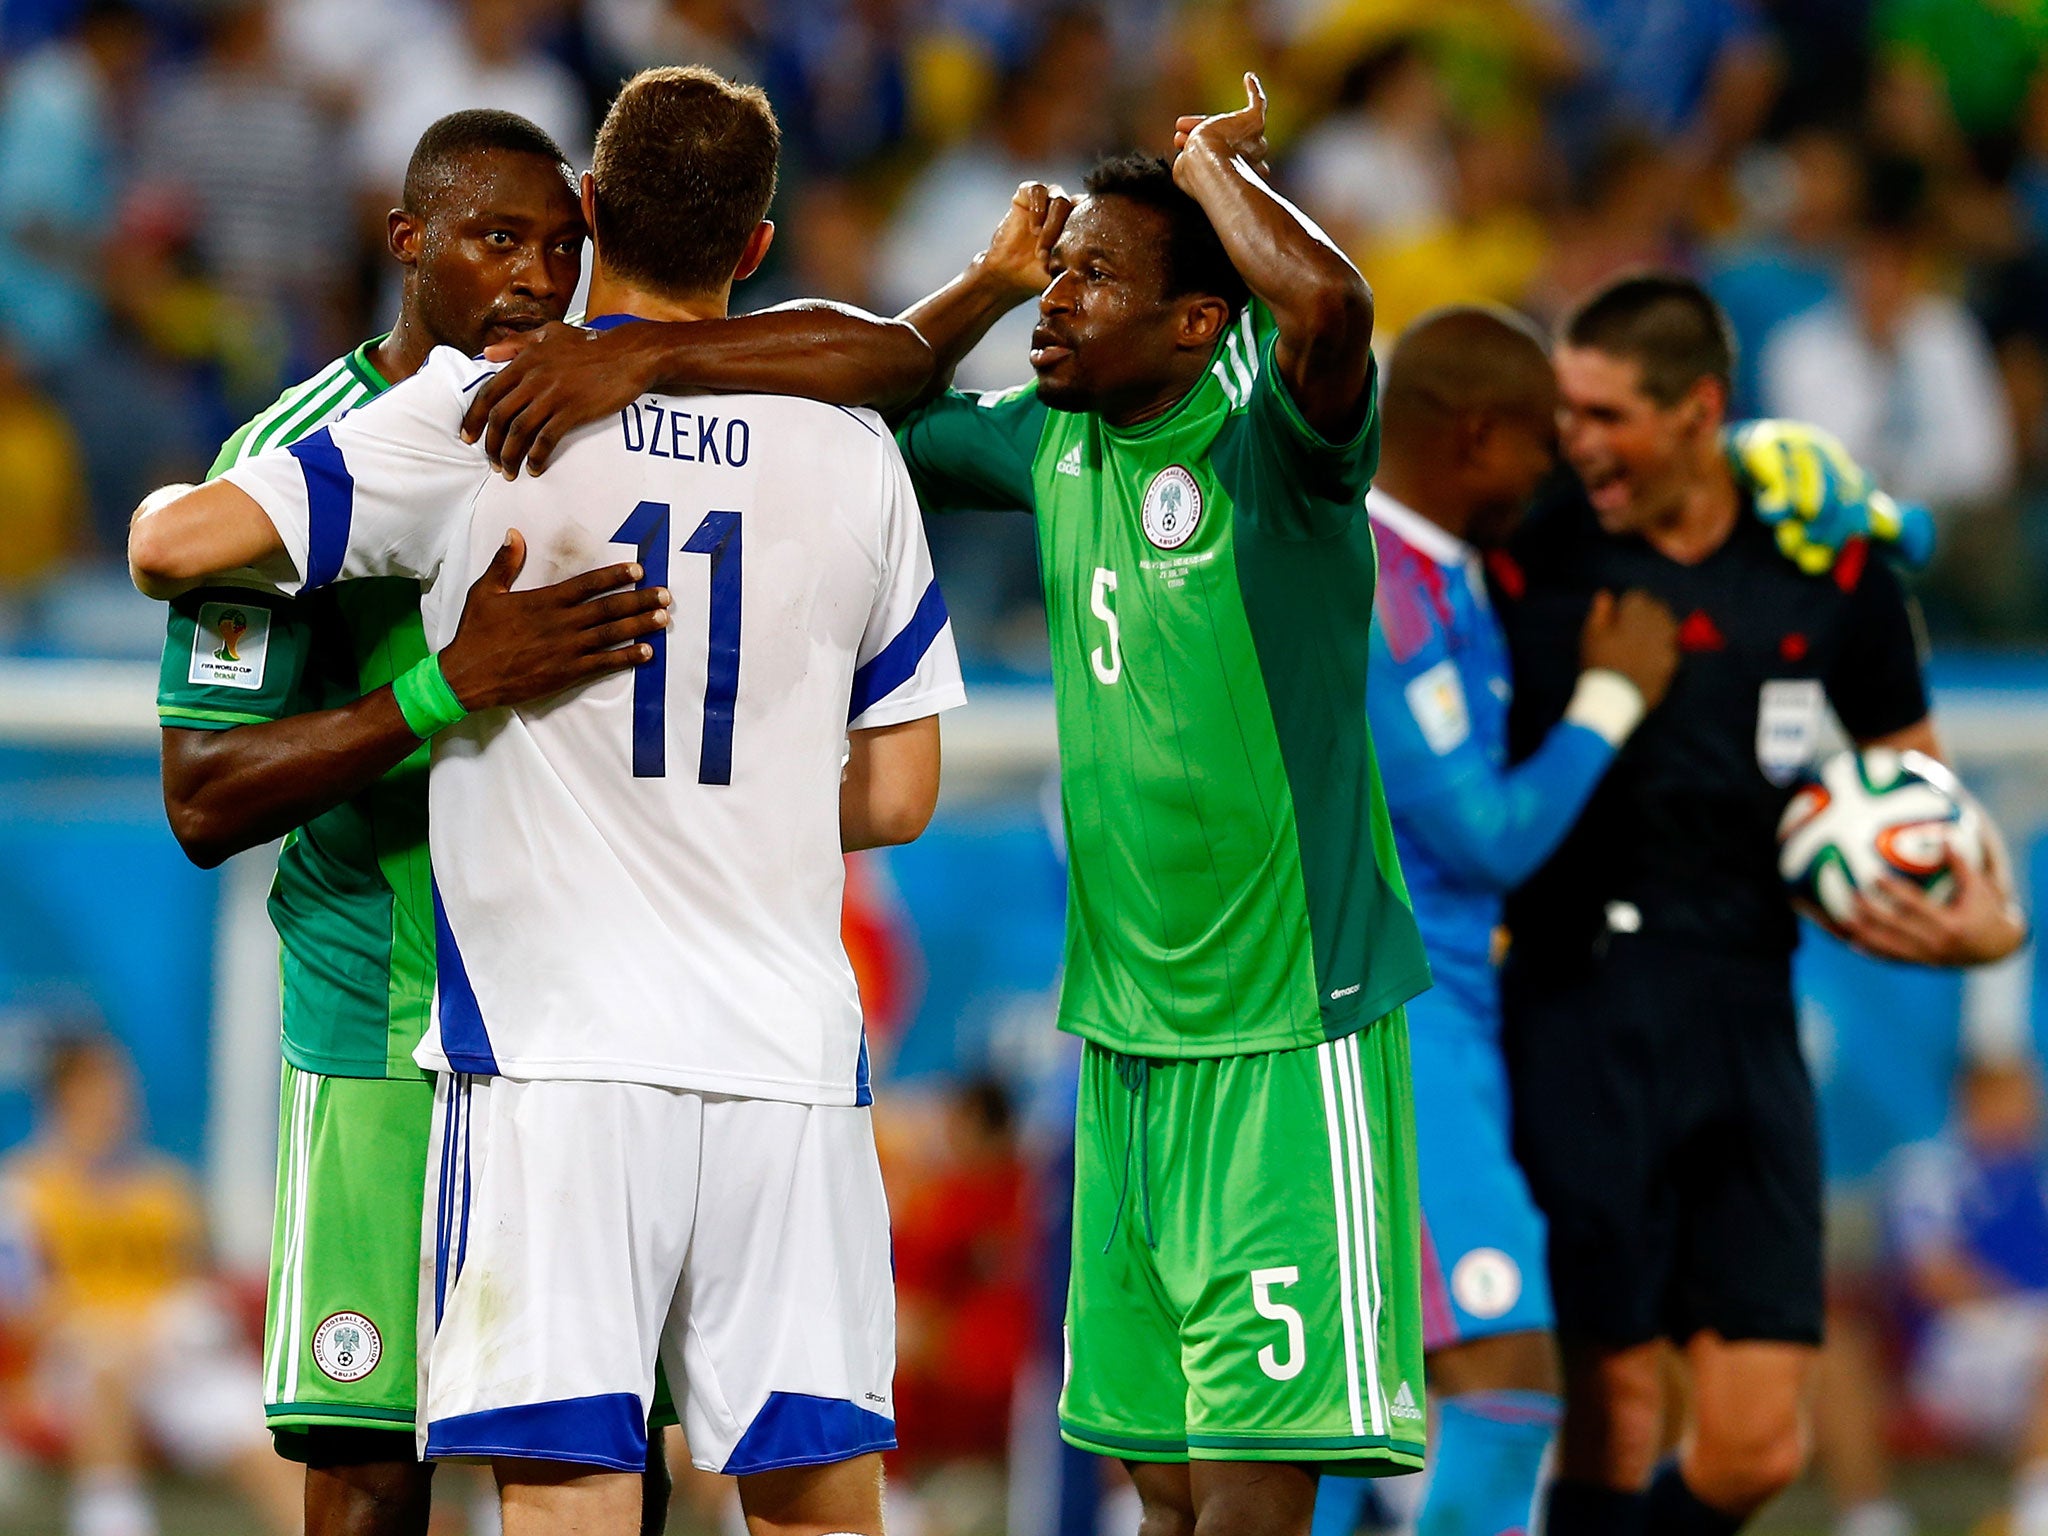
<point>230,645</point>
<point>1437,701</point>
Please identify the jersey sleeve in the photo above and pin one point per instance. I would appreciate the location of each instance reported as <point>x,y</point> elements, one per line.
<point>907,666</point>
<point>1294,483</point>
<point>1487,825</point>
<point>974,452</point>
<point>382,491</point>
<point>1876,684</point>
<point>232,656</point>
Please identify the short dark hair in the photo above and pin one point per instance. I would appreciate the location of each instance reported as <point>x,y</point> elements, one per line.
<point>476,130</point>
<point>1195,259</point>
<point>1664,322</point>
<point>1465,359</point>
<point>685,170</point>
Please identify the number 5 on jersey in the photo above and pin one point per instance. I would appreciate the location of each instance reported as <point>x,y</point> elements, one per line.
<point>717,536</point>
<point>1107,660</point>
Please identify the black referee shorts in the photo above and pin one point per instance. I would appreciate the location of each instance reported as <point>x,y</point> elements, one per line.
<point>1665,1120</point>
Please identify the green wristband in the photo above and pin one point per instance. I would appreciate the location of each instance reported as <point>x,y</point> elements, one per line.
<point>425,699</point>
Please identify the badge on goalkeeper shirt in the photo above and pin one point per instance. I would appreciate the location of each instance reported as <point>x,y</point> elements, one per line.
<point>1436,698</point>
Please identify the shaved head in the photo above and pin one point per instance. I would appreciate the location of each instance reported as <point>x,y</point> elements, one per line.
<point>1462,361</point>
<point>1468,419</point>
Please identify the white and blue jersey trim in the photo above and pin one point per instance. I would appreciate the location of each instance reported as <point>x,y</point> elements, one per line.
<point>897,662</point>
<point>464,1040</point>
<point>330,506</point>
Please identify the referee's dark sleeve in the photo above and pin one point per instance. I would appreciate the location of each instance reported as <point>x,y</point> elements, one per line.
<point>1877,685</point>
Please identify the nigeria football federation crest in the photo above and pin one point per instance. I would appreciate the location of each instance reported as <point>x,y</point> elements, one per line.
<point>1173,507</point>
<point>347,1346</point>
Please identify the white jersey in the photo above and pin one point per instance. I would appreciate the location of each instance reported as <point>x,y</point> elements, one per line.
<point>639,880</point>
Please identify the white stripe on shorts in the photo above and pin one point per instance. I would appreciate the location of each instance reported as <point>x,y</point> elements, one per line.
<point>1363,1237</point>
<point>280,1289</point>
<point>1372,1220</point>
<point>1334,1124</point>
<point>290,1306</point>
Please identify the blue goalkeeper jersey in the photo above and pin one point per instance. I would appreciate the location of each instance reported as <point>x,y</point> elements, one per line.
<point>1470,827</point>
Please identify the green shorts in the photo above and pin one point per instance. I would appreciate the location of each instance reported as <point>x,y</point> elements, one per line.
<point>341,1326</point>
<point>340,1330</point>
<point>1247,1258</point>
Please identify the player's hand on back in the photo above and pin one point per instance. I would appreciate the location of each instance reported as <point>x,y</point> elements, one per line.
<point>1635,635</point>
<point>514,647</point>
<point>1019,253</point>
<point>558,378</point>
<point>1816,498</point>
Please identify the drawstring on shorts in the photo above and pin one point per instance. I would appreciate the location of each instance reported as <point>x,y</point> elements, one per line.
<point>1135,1073</point>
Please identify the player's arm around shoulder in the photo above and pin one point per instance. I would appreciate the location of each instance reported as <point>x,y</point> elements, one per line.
<point>1321,306</point>
<point>562,376</point>
<point>346,500</point>
<point>182,534</point>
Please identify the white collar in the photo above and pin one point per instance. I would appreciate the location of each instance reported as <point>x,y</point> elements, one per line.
<point>1439,543</point>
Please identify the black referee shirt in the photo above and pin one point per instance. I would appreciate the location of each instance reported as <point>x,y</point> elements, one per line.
<point>1683,829</point>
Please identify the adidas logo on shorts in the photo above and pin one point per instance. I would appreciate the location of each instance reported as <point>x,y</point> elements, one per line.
<point>1403,1406</point>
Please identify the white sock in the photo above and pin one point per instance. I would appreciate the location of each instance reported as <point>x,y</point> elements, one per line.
<point>1876,1517</point>
<point>2030,1500</point>
<point>111,1504</point>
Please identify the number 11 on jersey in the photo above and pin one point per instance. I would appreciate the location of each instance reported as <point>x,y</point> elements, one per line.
<point>717,536</point>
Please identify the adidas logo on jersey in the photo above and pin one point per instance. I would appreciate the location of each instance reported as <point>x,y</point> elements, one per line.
<point>1403,1406</point>
<point>1070,462</point>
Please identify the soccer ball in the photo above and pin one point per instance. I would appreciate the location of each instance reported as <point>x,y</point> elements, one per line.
<point>1865,815</point>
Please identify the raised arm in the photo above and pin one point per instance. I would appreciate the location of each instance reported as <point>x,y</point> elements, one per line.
<point>563,377</point>
<point>1012,270</point>
<point>1321,306</point>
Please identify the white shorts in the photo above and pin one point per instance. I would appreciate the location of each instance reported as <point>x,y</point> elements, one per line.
<point>1979,1369</point>
<point>576,1230</point>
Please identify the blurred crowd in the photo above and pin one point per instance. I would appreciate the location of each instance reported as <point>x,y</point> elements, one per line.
<point>192,215</point>
<point>192,200</point>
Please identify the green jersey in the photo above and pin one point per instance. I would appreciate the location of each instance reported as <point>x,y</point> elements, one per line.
<point>1232,881</point>
<point>353,900</point>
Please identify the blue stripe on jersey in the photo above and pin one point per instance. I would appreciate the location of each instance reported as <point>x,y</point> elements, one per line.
<point>462,1229</point>
<point>464,1040</point>
<point>330,505</point>
<point>608,1429</point>
<point>794,1429</point>
<point>441,1205</point>
<point>863,1082</point>
<point>611,322</point>
<point>896,663</point>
